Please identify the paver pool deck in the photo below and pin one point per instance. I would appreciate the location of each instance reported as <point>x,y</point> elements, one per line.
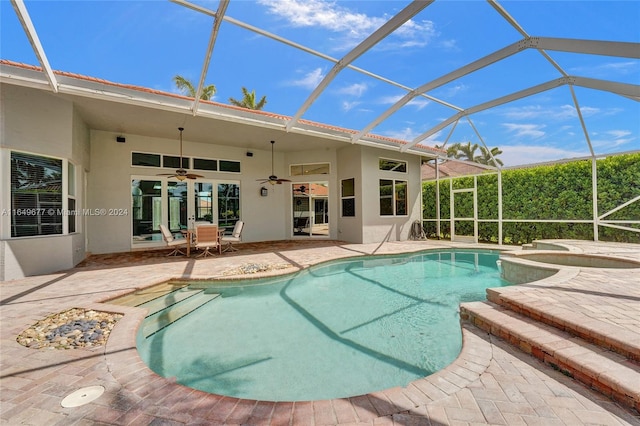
<point>491,382</point>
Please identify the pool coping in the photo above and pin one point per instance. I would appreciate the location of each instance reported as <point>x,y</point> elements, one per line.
<point>134,393</point>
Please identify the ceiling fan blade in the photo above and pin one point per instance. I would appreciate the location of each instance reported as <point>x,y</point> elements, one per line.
<point>192,176</point>
<point>283,180</point>
<point>166,174</point>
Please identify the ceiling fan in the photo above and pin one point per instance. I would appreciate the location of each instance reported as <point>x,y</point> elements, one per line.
<point>181,174</point>
<point>273,179</point>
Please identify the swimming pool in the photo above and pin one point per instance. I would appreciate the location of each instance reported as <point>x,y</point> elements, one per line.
<point>335,330</point>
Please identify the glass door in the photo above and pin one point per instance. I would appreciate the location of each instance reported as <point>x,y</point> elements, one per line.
<point>177,205</point>
<point>203,202</point>
<point>310,208</point>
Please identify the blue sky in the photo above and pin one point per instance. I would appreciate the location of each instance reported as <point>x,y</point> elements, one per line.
<point>146,43</point>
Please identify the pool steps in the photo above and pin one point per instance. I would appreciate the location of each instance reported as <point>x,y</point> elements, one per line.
<point>159,303</point>
<point>157,298</point>
<point>159,320</point>
<point>596,358</point>
<point>144,295</point>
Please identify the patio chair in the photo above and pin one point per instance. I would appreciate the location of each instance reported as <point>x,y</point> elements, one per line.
<point>207,238</point>
<point>171,241</point>
<point>233,238</point>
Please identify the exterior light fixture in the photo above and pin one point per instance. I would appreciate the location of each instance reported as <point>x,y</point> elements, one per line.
<point>264,191</point>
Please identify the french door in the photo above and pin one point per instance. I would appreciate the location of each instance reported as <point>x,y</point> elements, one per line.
<point>179,205</point>
<point>310,209</point>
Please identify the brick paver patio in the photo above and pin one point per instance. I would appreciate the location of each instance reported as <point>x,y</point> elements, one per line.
<point>490,383</point>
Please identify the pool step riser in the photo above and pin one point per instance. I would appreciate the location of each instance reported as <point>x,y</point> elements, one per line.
<point>613,343</point>
<point>611,374</point>
<point>177,311</point>
<point>158,304</point>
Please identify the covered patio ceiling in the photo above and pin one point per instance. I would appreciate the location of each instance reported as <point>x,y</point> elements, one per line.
<point>298,119</point>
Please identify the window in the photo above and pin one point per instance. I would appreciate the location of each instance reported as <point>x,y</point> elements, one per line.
<point>146,208</point>
<point>71,199</point>
<point>392,165</point>
<point>393,197</point>
<point>203,193</point>
<point>228,204</point>
<point>146,160</point>
<point>309,169</point>
<point>348,197</point>
<point>204,164</point>
<point>36,195</point>
<point>171,162</point>
<point>229,166</point>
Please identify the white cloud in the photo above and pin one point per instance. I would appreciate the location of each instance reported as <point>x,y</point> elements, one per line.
<point>525,130</point>
<point>348,106</point>
<point>353,26</point>
<point>356,89</point>
<point>606,69</point>
<point>611,139</point>
<point>406,134</point>
<point>555,113</point>
<point>310,80</point>
<point>417,102</point>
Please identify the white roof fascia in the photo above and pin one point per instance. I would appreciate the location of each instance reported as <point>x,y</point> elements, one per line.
<point>387,28</point>
<point>222,8</point>
<point>24,77</point>
<point>34,40</point>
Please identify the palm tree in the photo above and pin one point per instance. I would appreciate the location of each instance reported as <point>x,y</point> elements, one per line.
<point>485,156</point>
<point>467,152</point>
<point>189,89</point>
<point>452,150</point>
<point>249,100</point>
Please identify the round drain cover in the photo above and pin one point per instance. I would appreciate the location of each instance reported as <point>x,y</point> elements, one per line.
<point>82,396</point>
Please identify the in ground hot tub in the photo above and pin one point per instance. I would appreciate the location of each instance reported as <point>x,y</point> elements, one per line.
<point>580,260</point>
<point>525,267</point>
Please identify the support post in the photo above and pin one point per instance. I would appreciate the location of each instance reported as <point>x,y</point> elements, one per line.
<point>594,190</point>
<point>500,207</point>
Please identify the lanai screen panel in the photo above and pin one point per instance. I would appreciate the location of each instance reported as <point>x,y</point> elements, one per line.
<point>283,50</point>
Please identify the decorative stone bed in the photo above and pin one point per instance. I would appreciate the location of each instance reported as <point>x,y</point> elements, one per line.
<point>75,328</point>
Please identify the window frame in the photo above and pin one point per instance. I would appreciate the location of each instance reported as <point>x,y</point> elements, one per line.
<point>303,165</point>
<point>347,198</point>
<point>41,209</point>
<point>393,197</point>
<point>147,153</point>
<point>400,162</point>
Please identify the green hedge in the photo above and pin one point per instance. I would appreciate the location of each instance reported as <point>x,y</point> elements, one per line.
<point>561,192</point>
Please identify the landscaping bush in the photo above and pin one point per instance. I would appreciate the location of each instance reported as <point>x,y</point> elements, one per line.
<point>560,192</point>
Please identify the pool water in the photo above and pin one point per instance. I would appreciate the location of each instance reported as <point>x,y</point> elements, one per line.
<point>339,329</point>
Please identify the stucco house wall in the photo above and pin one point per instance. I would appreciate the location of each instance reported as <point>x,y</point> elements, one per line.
<point>377,228</point>
<point>42,123</point>
<point>350,166</point>
<point>37,122</point>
